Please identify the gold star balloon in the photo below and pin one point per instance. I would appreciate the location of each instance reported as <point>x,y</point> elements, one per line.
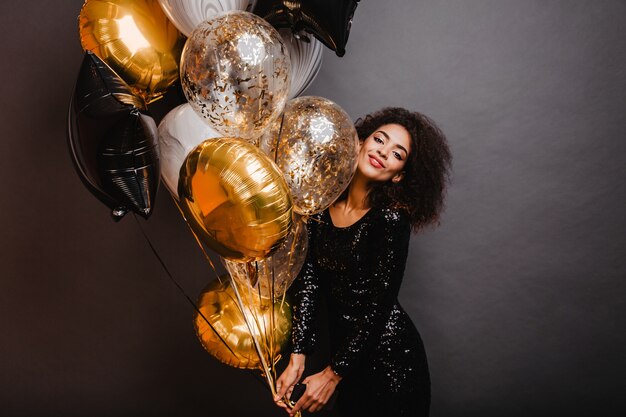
<point>135,39</point>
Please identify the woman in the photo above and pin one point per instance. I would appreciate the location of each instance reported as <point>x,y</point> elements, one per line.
<point>356,260</point>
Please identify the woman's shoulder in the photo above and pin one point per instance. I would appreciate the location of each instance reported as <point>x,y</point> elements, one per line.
<point>393,216</point>
<point>391,222</point>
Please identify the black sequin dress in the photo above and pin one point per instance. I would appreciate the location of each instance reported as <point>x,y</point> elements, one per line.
<point>374,345</point>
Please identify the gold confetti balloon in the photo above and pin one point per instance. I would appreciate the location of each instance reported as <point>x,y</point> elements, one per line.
<point>315,146</point>
<point>270,277</point>
<point>232,341</point>
<point>235,73</point>
<point>235,199</point>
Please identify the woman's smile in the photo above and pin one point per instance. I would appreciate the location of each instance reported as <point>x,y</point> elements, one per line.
<point>376,162</point>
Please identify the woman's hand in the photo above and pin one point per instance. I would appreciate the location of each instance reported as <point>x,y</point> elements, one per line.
<point>290,377</point>
<point>319,389</point>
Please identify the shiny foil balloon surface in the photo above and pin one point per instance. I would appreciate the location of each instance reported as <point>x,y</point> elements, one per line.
<point>270,277</point>
<point>112,142</point>
<point>235,73</point>
<point>235,199</point>
<point>271,326</point>
<point>315,146</point>
<point>135,38</point>
<point>328,20</point>
<point>187,14</point>
<point>180,131</point>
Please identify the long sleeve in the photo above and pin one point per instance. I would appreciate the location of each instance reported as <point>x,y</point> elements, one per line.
<point>384,263</point>
<point>306,294</point>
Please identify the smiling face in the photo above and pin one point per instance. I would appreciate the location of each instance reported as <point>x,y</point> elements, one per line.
<point>383,154</point>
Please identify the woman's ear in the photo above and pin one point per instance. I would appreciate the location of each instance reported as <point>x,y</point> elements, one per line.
<point>398,177</point>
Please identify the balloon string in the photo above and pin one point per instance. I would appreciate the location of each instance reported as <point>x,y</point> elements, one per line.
<point>272,317</point>
<point>268,375</point>
<point>280,133</point>
<point>180,288</point>
<point>267,337</point>
<point>249,293</point>
<point>262,327</point>
<point>195,235</point>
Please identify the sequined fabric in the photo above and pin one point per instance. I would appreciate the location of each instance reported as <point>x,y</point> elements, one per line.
<point>374,345</point>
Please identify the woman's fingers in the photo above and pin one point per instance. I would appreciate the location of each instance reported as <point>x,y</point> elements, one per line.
<point>281,404</point>
<point>279,389</point>
<point>292,412</point>
<point>309,401</point>
<point>317,403</point>
<point>286,381</point>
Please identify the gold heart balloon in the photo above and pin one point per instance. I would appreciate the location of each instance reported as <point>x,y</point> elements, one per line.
<point>135,38</point>
<point>235,199</point>
<point>234,344</point>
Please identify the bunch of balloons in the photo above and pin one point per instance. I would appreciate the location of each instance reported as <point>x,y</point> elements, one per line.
<point>244,159</point>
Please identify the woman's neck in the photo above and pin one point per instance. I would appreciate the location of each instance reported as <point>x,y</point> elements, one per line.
<point>357,194</point>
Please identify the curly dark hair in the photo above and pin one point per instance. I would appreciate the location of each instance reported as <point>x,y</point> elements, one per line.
<point>426,172</point>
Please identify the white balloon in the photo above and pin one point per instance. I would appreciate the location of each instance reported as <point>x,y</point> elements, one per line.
<point>306,60</point>
<point>187,14</point>
<point>180,131</point>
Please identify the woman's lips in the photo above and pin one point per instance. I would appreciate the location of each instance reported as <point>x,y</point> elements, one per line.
<point>376,163</point>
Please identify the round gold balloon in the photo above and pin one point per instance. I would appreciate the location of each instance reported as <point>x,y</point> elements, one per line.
<point>270,277</point>
<point>235,73</point>
<point>270,326</point>
<point>135,38</point>
<point>315,146</point>
<point>235,199</point>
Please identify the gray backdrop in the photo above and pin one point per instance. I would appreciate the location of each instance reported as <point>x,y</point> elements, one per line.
<point>519,295</point>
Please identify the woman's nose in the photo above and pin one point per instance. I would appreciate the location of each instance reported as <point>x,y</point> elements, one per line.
<point>382,152</point>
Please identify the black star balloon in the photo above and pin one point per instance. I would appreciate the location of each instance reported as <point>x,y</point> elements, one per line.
<point>328,20</point>
<point>113,143</point>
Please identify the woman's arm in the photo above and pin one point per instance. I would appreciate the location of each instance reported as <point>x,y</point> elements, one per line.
<point>305,292</point>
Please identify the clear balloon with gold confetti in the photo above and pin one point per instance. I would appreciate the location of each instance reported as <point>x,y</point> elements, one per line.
<point>314,144</point>
<point>235,72</point>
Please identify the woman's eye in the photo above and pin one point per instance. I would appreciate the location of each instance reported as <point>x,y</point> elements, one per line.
<point>398,156</point>
<point>377,139</point>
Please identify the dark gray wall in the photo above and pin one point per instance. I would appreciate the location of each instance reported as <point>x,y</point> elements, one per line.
<point>519,295</point>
